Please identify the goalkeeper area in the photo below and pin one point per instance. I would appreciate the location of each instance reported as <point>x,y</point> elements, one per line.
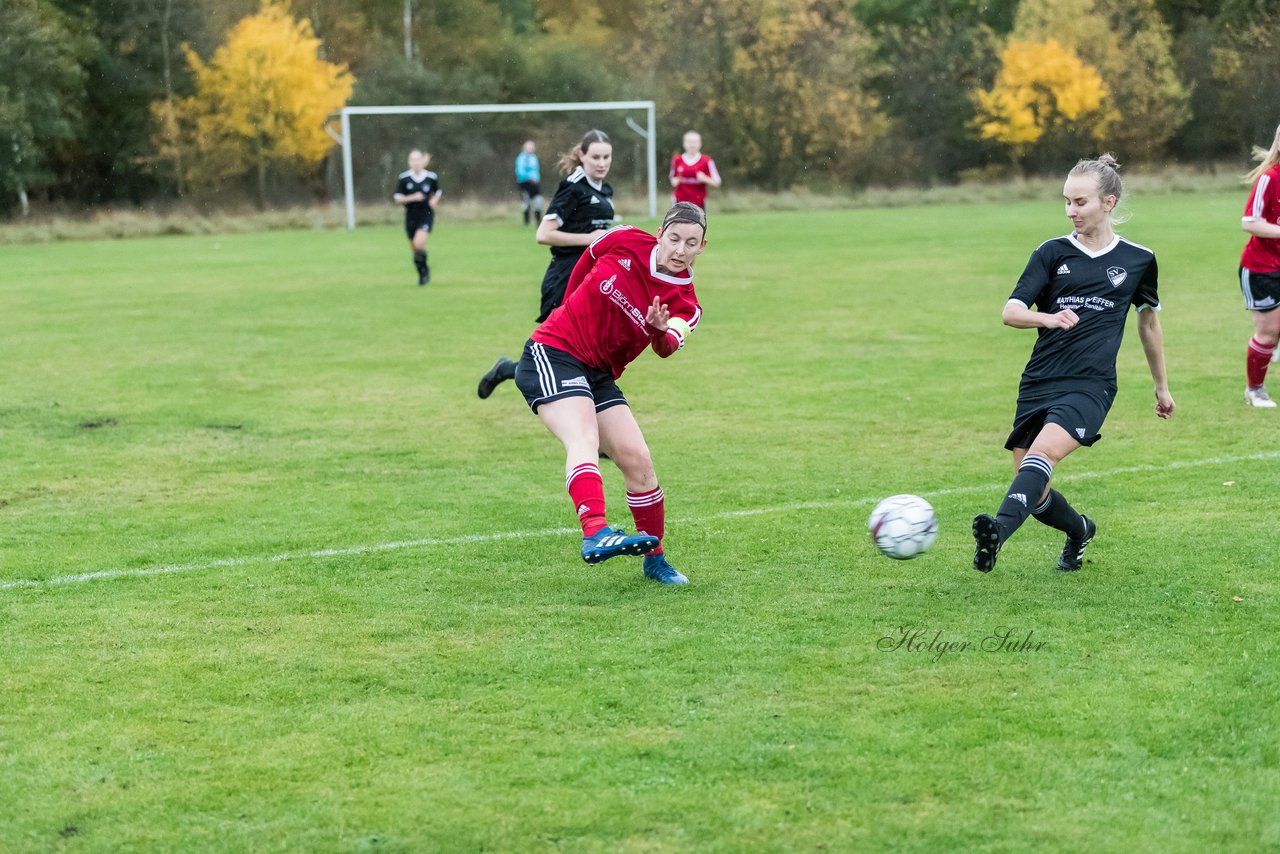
<point>473,147</point>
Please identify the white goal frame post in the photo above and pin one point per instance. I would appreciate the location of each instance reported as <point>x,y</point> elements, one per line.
<point>649,134</point>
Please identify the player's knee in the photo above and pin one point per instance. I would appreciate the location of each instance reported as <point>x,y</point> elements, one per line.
<point>633,460</point>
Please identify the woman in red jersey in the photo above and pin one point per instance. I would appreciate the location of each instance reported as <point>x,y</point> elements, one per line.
<point>1260,270</point>
<point>692,172</point>
<point>629,291</point>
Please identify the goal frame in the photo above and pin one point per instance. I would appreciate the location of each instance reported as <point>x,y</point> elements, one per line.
<point>348,180</point>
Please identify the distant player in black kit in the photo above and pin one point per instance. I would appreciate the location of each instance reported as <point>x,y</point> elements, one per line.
<point>581,211</point>
<point>419,191</point>
<point>1083,285</point>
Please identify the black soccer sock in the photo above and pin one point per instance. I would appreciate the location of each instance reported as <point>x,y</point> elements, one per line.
<point>1057,513</point>
<point>420,262</point>
<point>507,370</point>
<point>1033,476</point>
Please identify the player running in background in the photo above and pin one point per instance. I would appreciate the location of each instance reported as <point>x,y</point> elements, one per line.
<point>628,292</point>
<point>1083,285</point>
<point>419,191</point>
<point>692,172</point>
<point>1260,271</point>
<point>529,181</point>
<point>581,211</point>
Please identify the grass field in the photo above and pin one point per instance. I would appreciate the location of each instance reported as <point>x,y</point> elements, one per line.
<point>341,610</point>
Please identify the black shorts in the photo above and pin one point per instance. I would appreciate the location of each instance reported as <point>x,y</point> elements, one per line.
<point>544,374</point>
<point>413,223</point>
<point>1079,411</point>
<point>529,189</point>
<point>1261,290</point>
<point>554,281</point>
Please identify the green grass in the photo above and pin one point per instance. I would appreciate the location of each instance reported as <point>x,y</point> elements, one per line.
<point>189,400</point>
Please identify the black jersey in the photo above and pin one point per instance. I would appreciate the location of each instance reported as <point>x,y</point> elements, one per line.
<point>428,183</point>
<point>580,207</point>
<point>1099,287</point>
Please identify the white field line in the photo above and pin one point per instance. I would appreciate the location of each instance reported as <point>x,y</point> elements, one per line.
<point>173,569</point>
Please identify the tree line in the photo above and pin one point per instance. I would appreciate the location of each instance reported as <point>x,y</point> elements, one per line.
<point>134,101</point>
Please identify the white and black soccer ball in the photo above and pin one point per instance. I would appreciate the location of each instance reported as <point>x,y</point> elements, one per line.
<point>903,526</point>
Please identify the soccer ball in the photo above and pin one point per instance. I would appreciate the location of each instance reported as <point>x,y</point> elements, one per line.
<point>903,526</point>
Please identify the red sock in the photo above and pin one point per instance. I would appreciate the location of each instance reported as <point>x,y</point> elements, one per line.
<point>1256,363</point>
<point>586,488</point>
<point>649,512</point>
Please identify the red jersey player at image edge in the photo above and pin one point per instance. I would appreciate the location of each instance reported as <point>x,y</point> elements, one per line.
<point>692,172</point>
<point>1260,271</point>
<point>630,291</point>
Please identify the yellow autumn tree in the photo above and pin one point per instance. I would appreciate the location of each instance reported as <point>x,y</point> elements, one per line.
<point>1041,88</point>
<point>261,102</point>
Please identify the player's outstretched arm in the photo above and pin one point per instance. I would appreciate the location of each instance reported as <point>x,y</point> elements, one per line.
<point>1018,316</point>
<point>1152,336</point>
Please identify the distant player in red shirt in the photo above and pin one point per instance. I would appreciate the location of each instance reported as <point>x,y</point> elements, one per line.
<point>1260,271</point>
<point>692,172</point>
<point>629,291</point>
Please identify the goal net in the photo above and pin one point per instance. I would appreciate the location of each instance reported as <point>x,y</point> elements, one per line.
<point>473,147</point>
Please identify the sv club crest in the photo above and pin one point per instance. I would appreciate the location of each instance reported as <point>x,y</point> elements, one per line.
<point>1117,275</point>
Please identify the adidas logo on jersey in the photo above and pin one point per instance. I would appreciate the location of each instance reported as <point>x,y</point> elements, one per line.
<point>1019,497</point>
<point>625,263</point>
<point>1063,270</point>
<point>595,200</point>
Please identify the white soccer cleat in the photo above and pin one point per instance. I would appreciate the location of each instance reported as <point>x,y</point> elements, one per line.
<point>1258,397</point>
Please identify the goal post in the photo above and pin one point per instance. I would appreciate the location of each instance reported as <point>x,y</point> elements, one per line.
<point>649,133</point>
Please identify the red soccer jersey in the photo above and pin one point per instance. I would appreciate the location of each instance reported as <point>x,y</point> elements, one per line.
<point>1262,254</point>
<point>601,321</point>
<point>688,188</point>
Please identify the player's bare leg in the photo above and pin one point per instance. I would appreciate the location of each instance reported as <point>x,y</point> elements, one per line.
<point>419,246</point>
<point>572,420</point>
<point>622,440</point>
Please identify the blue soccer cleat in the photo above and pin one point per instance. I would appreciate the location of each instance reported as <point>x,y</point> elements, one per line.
<point>657,568</point>
<point>611,542</point>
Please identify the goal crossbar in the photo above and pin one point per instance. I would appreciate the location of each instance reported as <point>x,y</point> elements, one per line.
<point>650,136</point>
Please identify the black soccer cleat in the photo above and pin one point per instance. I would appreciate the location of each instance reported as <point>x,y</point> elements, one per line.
<point>502,370</point>
<point>986,540</point>
<point>1072,557</point>
<point>424,276</point>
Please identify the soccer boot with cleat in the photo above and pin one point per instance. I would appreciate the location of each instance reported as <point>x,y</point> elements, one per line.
<point>424,277</point>
<point>1072,557</point>
<point>657,568</point>
<point>611,542</point>
<point>502,370</point>
<point>986,542</point>
<point>1258,397</point>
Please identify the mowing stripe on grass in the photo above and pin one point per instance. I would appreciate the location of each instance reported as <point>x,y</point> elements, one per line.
<point>172,569</point>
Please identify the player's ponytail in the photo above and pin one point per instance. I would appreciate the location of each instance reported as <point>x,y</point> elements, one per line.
<point>1106,171</point>
<point>1266,158</point>
<point>572,158</point>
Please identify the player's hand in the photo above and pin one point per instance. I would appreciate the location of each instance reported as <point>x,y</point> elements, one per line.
<point>1164,404</point>
<point>658,315</point>
<point>1064,319</point>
